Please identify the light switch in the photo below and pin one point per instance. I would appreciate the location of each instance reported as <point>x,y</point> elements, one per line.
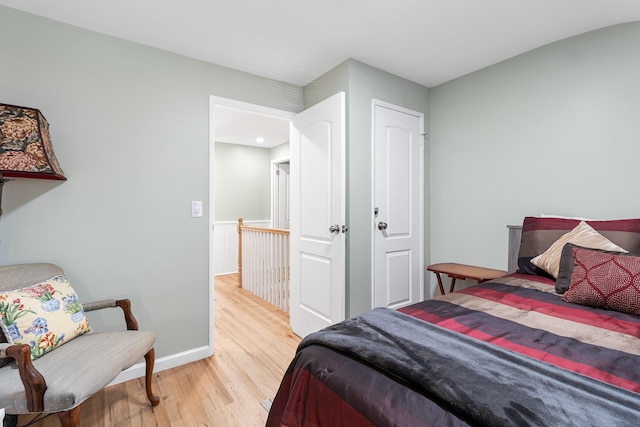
<point>196,209</point>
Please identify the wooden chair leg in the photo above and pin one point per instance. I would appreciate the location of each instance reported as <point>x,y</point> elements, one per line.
<point>150,358</point>
<point>70,418</point>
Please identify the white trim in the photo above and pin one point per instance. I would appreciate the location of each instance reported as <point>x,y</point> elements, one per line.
<point>212,198</point>
<point>163,364</point>
<point>377,102</point>
<point>281,160</point>
<point>254,108</point>
<point>253,222</point>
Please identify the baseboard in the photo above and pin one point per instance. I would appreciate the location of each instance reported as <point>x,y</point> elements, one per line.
<point>163,363</point>
<point>226,272</point>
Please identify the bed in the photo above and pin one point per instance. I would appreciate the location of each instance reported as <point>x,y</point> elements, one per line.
<point>556,343</point>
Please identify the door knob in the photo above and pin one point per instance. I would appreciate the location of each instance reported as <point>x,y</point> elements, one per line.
<point>382,225</point>
<point>334,229</point>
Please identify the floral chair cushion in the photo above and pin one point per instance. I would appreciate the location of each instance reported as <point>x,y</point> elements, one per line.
<point>44,316</point>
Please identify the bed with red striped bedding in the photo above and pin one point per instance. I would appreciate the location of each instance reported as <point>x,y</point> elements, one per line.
<point>523,313</point>
<point>506,352</point>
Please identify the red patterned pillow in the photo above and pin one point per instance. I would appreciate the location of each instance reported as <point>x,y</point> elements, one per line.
<point>605,280</point>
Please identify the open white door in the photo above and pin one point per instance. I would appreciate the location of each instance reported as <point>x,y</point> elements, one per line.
<point>317,150</point>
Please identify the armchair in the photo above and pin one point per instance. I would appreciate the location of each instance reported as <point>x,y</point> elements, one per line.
<point>61,379</point>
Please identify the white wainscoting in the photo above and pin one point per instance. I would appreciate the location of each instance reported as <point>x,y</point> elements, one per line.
<point>225,240</point>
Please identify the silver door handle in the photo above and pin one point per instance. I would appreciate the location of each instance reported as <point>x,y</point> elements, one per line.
<point>382,225</point>
<point>334,229</point>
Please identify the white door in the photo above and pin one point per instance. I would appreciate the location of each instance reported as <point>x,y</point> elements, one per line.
<point>282,187</point>
<point>398,200</point>
<point>317,150</point>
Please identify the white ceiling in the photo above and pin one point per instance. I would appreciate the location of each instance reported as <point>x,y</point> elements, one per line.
<point>236,126</point>
<point>427,41</point>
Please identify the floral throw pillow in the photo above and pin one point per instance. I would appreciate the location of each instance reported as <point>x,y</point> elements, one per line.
<point>44,316</point>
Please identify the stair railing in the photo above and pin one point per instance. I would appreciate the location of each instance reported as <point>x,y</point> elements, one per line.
<point>263,263</point>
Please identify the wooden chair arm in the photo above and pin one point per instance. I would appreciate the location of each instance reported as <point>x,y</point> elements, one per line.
<point>124,304</point>
<point>33,381</point>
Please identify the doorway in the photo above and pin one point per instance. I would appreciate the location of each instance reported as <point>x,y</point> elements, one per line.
<point>320,132</point>
<point>280,194</point>
<point>246,117</point>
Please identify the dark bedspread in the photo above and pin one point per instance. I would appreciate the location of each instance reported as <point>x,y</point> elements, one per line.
<point>475,357</point>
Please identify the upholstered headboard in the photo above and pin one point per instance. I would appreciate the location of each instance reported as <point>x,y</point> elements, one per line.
<point>537,234</point>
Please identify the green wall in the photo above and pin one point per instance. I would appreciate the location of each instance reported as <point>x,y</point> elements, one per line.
<point>243,182</point>
<point>554,131</point>
<point>280,152</point>
<point>130,127</point>
<point>362,84</point>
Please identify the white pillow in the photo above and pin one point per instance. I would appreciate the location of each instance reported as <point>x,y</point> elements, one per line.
<point>565,217</point>
<point>583,235</point>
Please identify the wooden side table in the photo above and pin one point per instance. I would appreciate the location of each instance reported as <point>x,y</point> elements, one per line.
<point>463,271</point>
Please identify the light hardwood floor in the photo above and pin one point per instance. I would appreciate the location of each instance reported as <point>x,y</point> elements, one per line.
<point>253,347</point>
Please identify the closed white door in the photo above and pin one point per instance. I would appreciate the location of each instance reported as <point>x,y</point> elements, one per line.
<point>398,200</point>
<point>317,160</point>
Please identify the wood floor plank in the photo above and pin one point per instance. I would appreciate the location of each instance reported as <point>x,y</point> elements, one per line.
<point>253,347</point>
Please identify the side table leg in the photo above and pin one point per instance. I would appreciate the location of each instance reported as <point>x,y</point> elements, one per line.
<point>453,284</point>
<point>440,283</point>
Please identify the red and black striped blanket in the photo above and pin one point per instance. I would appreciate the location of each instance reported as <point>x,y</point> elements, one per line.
<point>522,313</point>
<point>506,352</point>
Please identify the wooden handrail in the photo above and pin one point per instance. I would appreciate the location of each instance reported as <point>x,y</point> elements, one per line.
<point>267,230</point>
<point>242,225</point>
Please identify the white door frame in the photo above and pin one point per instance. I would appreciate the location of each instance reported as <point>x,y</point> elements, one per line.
<point>374,103</point>
<point>274,207</point>
<point>229,103</point>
